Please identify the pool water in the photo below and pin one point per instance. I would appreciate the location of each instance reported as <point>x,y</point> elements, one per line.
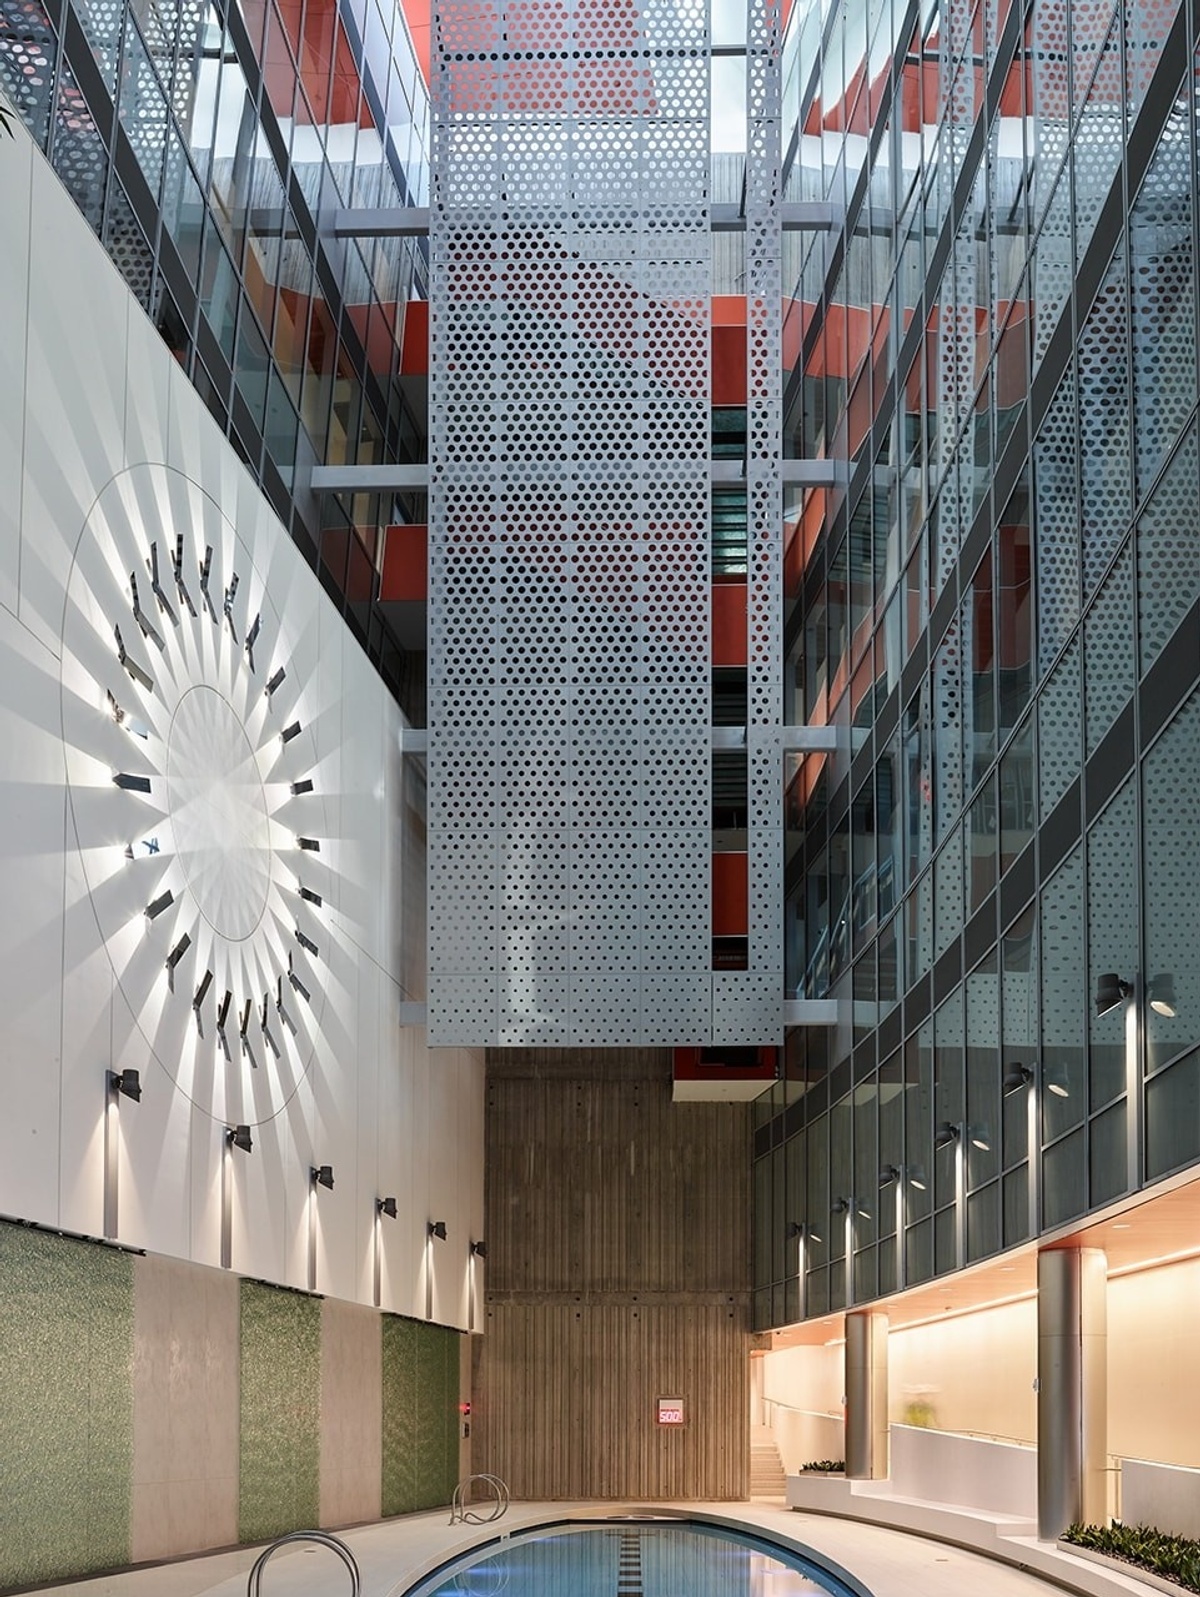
<point>636,1560</point>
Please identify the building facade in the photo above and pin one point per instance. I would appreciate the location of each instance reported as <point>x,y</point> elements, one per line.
<point>764,583</point>
<point>997,613</point>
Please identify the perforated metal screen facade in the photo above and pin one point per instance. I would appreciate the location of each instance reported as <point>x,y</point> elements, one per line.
<point>569,842</point>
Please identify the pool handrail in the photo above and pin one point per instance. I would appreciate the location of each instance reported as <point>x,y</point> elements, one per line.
<point>460,1513</point>
<point>322,1539</point>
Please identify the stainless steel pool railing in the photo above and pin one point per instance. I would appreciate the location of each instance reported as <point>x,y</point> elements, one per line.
<point>322,1539</point>
<point>460,1513</point>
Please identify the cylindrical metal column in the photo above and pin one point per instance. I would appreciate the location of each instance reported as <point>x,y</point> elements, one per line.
<point>866,1395</point>
<point>1072,1389</point>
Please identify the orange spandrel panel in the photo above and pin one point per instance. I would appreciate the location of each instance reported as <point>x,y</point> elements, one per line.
<point>416,14</point>
<point>730,895</point>
<point>729,623</point>
<point>405,572</point>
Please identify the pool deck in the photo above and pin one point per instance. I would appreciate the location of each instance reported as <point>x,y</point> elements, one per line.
<point>889,1563</point>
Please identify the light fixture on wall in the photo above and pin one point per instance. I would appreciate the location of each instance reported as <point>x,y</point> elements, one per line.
<point>1016,1076</point>
<point>389,1207</point>
<point>1056,1081</point>
<point>318,1176</point>
<point>1160,990</point>
<point>478,1250</point>
<point>889,1173</point>
<point>840,1206</point>
<point>125,1084</point>
<point>980,1137</point>
<point>802,1231</point>
<point>916,1177</point>
<point>235,1137</point>
<point>948,1132</point>
<point>118,1084</point>
<point>173,958</point>
<point>435,1230</point>
<point>156,905</point>
<point>1111,990</point>
<point>861,1209</point>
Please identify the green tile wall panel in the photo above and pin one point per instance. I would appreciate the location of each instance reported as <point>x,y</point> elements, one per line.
<point>280,1457</point>
<point>420,1414</point>
<point>66,1406</point>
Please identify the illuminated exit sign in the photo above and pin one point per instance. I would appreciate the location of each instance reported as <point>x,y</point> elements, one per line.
<point>670,1411</point>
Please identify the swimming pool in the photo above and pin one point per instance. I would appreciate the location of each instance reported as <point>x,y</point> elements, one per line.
<point>636,1559</point>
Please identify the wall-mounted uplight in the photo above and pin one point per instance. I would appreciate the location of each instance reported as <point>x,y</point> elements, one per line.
<point>981,1138</point>
<point>389,1207</point>
<point>1160,990</point>
<point>479,1249</point>
<point>118,1084</point>
<point>157,905</point>
<point>1111,990</point>
<point>840,1206</point>
<point>318,1176</point>
<point>888,1174</point>
<point>235,1137</point>
<point>176,954</point>
<point>1016,1076</point>
<point>436,1228</point>
<point>915,1174</point>
<point>946,1134</point>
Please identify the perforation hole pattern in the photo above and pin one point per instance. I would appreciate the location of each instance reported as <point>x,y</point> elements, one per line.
<point>569,523</point>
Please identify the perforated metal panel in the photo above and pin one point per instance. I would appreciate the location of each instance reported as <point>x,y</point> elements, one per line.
<point>748,1007</point>
<point>569,897</point>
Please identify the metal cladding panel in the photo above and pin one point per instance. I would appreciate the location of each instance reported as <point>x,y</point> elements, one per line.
<point>569,896</point>
<point>748,1008</point>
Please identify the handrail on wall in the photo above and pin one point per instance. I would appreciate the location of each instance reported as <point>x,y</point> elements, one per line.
<point>460,1514</point>
<point>813,1413</point>
<point>322,1539</point>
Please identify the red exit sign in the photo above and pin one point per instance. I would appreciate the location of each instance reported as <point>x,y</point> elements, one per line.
<point>670,1411</point>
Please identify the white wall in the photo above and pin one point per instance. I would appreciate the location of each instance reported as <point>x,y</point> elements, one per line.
<point>1154,1364</point>
<point>104,448</point>
<point>936,1367</point>
<point>806,1385</point>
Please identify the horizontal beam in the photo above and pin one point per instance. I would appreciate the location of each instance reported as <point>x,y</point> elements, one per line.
<point>369,479</point>
<point>810,1011</point>
<point>412,221</point>
<point>815,473</point>
<point>810,739</point>
<point>398,477</point>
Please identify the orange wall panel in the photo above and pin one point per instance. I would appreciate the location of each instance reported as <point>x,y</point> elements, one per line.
<point>729,623</point>
<point>731,895</point>
<point>728,365</point>
<point>405,572</point>
<point>416,14</point>
<point>414,354</point>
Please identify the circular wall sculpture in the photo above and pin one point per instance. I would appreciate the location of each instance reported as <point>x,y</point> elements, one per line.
<point>194,794</point>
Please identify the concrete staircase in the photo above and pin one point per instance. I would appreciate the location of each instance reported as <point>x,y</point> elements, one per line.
<point>767,1478</point>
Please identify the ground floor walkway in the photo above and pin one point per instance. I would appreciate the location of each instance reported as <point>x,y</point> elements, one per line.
<point>889,1563</point>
